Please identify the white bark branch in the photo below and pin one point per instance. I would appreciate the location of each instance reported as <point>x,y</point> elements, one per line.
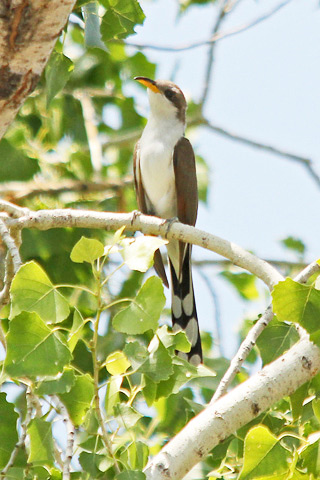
<point>46,219</point>
<point>13,260</point>
<point>28,32</point>
<point>250,340</point>
<point>219,420</point>
<point>9,242</point>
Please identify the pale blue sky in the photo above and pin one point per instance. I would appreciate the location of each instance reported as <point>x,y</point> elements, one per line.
<point>265,86</point>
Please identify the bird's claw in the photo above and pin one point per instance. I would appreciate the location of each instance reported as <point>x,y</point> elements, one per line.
<point>169,222</point>
<point>135,215</point>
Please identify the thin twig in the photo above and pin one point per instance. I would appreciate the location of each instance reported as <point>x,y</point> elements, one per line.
<point>207,79</point>
<point>206,262</point>
<point>26,190</point>
<point>215,38</point>
<point>306,162</point>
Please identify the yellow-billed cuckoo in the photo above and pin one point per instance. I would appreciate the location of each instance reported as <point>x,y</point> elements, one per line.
<point>166,186</point>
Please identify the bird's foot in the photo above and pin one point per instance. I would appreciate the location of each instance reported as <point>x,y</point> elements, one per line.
<point>169,222</point>
<point>135,215</point>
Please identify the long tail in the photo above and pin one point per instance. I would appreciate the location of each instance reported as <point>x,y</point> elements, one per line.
<point>183,308</point>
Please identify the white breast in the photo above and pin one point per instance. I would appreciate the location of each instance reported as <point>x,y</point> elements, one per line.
<point>156,151</point>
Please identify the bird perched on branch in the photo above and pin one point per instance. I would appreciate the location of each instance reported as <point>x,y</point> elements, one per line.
<point>166,186</point>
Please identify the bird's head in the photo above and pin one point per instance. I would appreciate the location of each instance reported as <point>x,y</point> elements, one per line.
<point>165,98</point>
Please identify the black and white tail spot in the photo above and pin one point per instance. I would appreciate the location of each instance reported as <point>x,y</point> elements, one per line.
<point>183,307</point>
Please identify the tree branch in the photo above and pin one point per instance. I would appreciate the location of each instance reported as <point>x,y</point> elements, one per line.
<point>222,13</point>
<point>305,162</point>
<point>11,246</point>
<point>241,355</point>
<point>219,420</point>
<point>13,260</point>
<point>28,32</point>
<point>221,263</point>
<point>46,219</point>
<point>26,190</point>
<point>215,38</point>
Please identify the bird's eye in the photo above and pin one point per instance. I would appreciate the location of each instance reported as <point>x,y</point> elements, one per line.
<point>169,94</point>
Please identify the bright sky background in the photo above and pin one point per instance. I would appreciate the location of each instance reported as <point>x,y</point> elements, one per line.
<point>265,87</point>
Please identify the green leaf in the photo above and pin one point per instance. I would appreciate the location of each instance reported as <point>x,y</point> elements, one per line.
<point>278,334</point>
<point>130,475</point>
<point>111,26</point>
<point>16,473</point>
<point>310,456</point>
<point>138,63</point>
<point>41,442</point>
<point>87,250</point>
<point>57,74</point>
<point>144,312</point>
<point>136,353</point>
<point>264,456</point>
<point>316,407</point>
<point>92,35</point>
<point>149,390</point>
<point>294,244</point>
<point>15,165</point>
<point>89,461</point>
<point>176,340</point>
<point>158,365</point>
<point>32,291</point>
<point>33,348</point>
<point>136,455</point>
<point>138,254</point>
<point>112,395</point>
<point>76,330</point>
<point>244,284</point>
<point>126,416</point>
<point>8,429</point>
<point>299,304</point>
<point>117,363</point>
<point>61,384</point>
<point>120,18</point>
<point>42,473</point>
<point>297,399</point>
<point>79,399</point>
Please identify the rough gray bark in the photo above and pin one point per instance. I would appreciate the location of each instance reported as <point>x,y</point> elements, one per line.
<point>28,32</point>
